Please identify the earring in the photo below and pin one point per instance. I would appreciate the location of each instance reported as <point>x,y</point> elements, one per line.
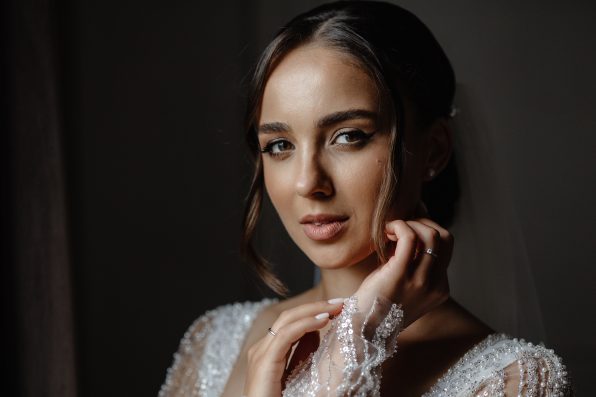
<point>431,173</point>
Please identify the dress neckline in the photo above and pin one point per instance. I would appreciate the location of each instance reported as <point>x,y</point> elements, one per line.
<point>484,344</point>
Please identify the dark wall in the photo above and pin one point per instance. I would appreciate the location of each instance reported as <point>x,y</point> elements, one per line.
<point>158,173</point>
<point>157,166</point>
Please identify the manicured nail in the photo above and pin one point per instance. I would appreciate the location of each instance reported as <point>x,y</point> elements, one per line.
<point>335,301</point>
<point>322,316</point>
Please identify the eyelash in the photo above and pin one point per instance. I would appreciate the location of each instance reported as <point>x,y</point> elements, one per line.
<point>362,136</point>
<point>271,144</point>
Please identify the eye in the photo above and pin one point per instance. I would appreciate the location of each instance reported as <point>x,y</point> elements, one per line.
<point>351,137</point>
<point>278,147</point>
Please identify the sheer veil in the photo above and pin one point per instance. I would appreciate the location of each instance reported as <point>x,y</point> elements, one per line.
<point>490,273</point>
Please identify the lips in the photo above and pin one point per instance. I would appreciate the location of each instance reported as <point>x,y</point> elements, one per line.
<point>322,227</point>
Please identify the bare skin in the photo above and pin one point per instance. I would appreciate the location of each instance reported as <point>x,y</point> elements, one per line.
<point>317,162</point>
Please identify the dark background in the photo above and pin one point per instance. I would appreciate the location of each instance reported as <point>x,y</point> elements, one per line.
<point>125,139</point>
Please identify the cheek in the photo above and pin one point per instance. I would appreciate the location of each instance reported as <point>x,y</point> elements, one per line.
<point>278,184</point>
<point>362,179</point>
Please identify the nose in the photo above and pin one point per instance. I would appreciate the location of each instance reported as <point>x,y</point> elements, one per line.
<point>313,180</point>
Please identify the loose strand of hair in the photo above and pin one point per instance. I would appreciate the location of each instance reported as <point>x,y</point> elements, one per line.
<point>262,267</point>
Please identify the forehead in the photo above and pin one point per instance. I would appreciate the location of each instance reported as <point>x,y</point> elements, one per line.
<point>312,81</point>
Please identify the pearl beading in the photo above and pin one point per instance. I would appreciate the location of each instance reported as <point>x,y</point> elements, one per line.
<point>209,349</point>
<point>497,366</point>
<point>485,371</point>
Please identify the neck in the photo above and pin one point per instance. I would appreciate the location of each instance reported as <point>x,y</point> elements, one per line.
<point>343,282</point>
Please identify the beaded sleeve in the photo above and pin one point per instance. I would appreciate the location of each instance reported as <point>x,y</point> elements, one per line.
<point>209,349</point>
<point>501,366</point>
<point>182,377</point>
<point>348,360</point>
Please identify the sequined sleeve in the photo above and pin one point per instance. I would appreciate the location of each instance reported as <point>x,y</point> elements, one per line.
<point>501,366</point>
<point>348,360</point>
<point>209,349</point>
<point>535,373</point>
<point>182,377</point>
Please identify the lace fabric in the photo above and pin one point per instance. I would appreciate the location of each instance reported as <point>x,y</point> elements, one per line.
<point>349,358</point>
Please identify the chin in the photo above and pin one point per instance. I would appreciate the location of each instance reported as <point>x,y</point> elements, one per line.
<point>335,257</point>
<point>346,251</point>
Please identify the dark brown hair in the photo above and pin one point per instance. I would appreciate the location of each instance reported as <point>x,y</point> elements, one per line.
<point>404,60</point>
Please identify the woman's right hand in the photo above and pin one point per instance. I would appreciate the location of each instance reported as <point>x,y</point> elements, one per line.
<point>412,278</point>
<point>268,358</point>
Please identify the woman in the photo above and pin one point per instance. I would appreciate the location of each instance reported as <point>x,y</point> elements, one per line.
<point>348,120</point>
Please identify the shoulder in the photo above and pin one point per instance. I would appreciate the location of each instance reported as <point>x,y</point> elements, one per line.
<point>270,312</point>
<point>234,318</point>
<point>209,349</point>
<point>239,312</point>
<point>501,365</point>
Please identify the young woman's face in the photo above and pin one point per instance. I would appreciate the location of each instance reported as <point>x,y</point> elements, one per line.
<point>324,153</point>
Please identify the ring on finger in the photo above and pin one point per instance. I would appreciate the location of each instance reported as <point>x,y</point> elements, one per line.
<point>430,252</point>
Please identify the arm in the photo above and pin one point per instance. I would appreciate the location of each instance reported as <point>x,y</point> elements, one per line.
<point>536,371</point>
<point>182,377</point>
<point>501,366</point>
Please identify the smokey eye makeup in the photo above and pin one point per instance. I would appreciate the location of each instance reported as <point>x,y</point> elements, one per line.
<point>277,147</point>
<point>352,137</point>
<point>344,138</point>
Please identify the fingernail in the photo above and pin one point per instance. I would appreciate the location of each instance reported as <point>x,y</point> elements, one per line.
<point>335,301</point>
<point>322,316</point>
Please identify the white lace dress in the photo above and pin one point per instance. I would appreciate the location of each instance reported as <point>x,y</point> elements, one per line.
<point>349,358</point>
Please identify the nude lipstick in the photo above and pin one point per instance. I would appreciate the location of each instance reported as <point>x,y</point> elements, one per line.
<point>323,227</point>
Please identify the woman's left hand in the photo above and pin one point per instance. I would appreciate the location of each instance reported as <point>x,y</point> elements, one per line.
<point>411,277</point>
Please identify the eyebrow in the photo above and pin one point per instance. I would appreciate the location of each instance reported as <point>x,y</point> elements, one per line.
<point>345,115</point>
<point>270,128</point>
<point>326,121</point>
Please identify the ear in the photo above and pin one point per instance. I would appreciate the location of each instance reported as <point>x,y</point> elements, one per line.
<point>440,148</point>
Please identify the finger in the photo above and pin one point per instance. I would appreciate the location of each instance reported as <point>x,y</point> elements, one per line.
<point>430,238</point>
<point>446,243</point>
<point>290,333</point>
<point>404,249</point>
<point>332,306</point>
